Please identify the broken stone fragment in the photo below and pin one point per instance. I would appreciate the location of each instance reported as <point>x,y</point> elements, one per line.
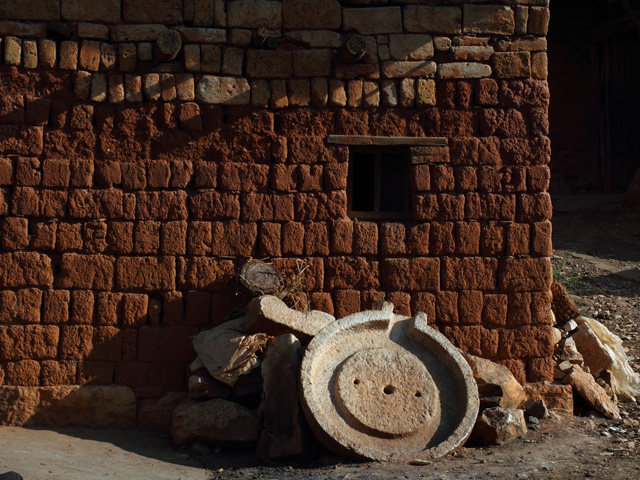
<point>607,381</point>
<point>228,352</point>
<point>585,385</point>
<point>156,413</point>
<point>595,355</point>
<point>570,353</point>
<point>562,305</point>
<point>217,422</point>
<point>536,409</point>
<point>497,386</point>
<point>283,434</point>
<point>570,326</point>
<point>556,397</point>
<point>271,315</point>
<point>497,426</point>
<point>201,387</point>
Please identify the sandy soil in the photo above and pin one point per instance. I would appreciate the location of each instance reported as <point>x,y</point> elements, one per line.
<point>597,256</point>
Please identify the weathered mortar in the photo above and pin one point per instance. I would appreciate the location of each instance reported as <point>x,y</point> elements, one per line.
<point>131,189</point>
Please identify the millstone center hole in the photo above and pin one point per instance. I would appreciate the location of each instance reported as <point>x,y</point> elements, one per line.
<point>389,390</point>
<point>356,382</point>
<point>418,394</point>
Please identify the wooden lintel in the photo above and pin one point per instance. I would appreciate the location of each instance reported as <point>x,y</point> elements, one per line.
<point>366,140</point>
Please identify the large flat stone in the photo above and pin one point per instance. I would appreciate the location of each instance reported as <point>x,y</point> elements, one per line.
<point>585,385</point>
<point>497,386</point>
<point>217,422</point>
<point>283,434</point>
<point>594,353</point>
<point>30,9</point>
<point>311,14</point>
<point>153,11</point>
<point>87,406</point>
<point>497,426</point>
<point>489,20</point>
<point>223,90</point>
<point>254,14</point>
<point>106,11</point>
<point>269,64</point>
<point>422,18</point>
<point>373,20</point>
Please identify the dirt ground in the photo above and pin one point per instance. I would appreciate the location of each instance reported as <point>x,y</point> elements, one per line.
<point>597,256</point>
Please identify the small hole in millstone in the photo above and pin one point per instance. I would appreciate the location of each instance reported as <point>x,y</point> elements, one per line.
<point>389,389</point>
<point>418,394</point>
<point>356,382</point>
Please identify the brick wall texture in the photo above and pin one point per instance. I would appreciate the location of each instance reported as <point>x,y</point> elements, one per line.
<point>133,187</point>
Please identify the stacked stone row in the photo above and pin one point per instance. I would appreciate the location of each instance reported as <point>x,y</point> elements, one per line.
<point>403,57</point>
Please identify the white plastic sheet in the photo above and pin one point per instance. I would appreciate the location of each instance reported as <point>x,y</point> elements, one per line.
<point>227,352</point>
<point>627,382</point>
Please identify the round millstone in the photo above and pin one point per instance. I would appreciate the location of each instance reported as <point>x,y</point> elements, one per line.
<point>385,387</point>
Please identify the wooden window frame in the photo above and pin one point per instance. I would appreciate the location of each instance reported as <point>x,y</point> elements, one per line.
<point>406,193</point>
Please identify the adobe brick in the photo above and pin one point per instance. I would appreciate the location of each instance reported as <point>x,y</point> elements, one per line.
<point>173,238</point>
<point>335,176</point>
<point>95,373</point>
<point>322,301</point>
<point>6,171</point>
<point>134,310</point>
<point>56,307</point>
<point>209,205</point>
<point>525,274</point>
<point>475,340</point>
<point>29,303</point>
<point>132,374</point>
<point>469,151</point>
<point>518,239</point>
<point>306,206</point>
<point>284,177</point>
<point>37,111</point>
<point>310,178</point>
<point>256,207</point>
<point>519,309</point>
<point>446,307</point>
<point>450,207</point>
<point>172,309</point>
<point>541,245</point>
<point>181,173</point>
<point>534,207</point>
<point>470,306</point>
<point>27,171</point>
<point>540,369</point>
<point>93,272</point>
<point>292,238</point>
<point>81,307</point>
<point>270,240</point>
<point>234,238</point>
<point>239,177</point>
<point>351,272</point>
<point>15,233</point>
<point>205,174</point>
<point>492,239</point>
<point>55,173</point>
<point>526,341</point>
<point>426,303</point>
<point>538,178</point>
<point>206,274</point>
<point>147,237</point>
<point>158,174</point>
<point>490,206</point>
<point>53,203</point>
<point>145,273</point>
<point>95,236</point>
<point>25,269</point>
<point>365,238</point>
<point>170,344</point>
<point>442,239</point>
<point>69,237</point>
<point>487,92</point>
<point>53,373</point>
<point>25,202</point>
<point>489,179</point>
<point>495,310</point>
<point>120,237</point>
<point>401,302</point>
<point>82,117</point>
<point>420,178</point>
<point>392,239</point>
<point>81,173</point>
<point>106,344</point>
<point>197,309</point>
<point>165,205</point>
<point>341,237</point>
<point>469,273</point>
<point>283,207</point>
<point>418,239</point>
<point>199,238</point>
<point>4,201</point>
<point>21,342</point>
<point>129,345</point>
<point>108,308</point>
<point>107,174</point>
<point>467,238</point>
<point>23,373</point>
<point>346,302</point>
<point>541,308</point>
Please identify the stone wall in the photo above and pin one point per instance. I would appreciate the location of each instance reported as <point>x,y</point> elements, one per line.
<point>133,187</point>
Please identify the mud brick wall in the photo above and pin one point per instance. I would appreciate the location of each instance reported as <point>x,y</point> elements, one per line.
<point>132,189</point>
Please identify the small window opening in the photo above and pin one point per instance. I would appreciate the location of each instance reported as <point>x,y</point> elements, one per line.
<point>379,184</point>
